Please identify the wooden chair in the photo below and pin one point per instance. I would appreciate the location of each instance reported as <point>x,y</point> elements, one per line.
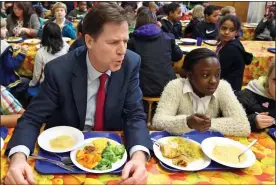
<point>150,101</point>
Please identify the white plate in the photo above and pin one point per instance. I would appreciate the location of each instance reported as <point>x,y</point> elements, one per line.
<point>188,40</point>
<point>188,48</point>
<point>2,144</point>
<point>86,142</point>
<point>14,39</point>
<point>66,39</point>
<point>194,166</point>
<point>51,133</point>
<point>211,42</point>
<point>251,25</point>
<point>208,145</point>
<point>32,41</point>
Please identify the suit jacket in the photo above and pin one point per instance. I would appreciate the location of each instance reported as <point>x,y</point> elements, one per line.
<point>62,100</point>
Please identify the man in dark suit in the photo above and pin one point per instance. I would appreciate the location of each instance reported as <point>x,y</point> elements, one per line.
<point>93,87</point>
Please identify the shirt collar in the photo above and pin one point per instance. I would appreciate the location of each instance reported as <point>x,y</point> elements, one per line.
<point>187,88</point>
<point>92,72</point>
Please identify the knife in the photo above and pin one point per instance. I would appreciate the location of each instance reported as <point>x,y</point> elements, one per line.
<point>55,162</point>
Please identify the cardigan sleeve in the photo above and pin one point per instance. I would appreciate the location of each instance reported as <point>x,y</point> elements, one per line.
<point>34,22</point>
<point>234,121</point>
<point>166,117</point>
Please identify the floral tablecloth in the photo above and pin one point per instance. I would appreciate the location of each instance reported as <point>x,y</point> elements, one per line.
<point>248,33</point>
<point>261,60</point>
<point>262,172</point>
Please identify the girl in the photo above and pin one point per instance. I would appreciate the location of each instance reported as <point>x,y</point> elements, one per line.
<point>23,21</point>
<point>196,102</point>
<point>231,52</point>
<point>157,50</point>
<point>52,47</point>
<point>207,29</point>
<point>171,23</point>
<point>198,16</point>
<point>259,97</point>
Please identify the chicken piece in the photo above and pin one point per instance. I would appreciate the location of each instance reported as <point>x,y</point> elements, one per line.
<point>89,149</point>
<point>169,152</point>
<point>180,161</point>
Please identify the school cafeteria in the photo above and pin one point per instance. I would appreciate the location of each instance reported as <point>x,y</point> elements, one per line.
<point>138,92</point>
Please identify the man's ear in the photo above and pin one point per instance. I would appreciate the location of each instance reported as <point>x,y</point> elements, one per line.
<point>89,41</point>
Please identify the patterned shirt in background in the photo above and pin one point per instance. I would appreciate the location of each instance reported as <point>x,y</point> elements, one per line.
<point>9,104</point>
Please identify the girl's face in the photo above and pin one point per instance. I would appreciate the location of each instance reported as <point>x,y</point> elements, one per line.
<point>271,84</point>
<point>213,18</point>
<point>17,11</point>
<point>60,13</point>
<point>227,31</point>
<point>205,76</point>
<point>176,15</point>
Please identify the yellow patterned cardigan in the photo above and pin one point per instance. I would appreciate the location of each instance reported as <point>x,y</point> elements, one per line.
<point>174,107</point>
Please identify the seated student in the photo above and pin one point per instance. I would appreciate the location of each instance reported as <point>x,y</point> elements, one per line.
<point>8,63</point>
<point>80,39</point>
<point>11,109</point>
<point>198,16</point>
<point>52,47</point>
<point>207,29</point>
<point>196,102</point>
<point>259,97</point>
<point>65,25</point>
<point>79,12</point>
<point>266,29</point>
<point>157,50</point>
<point>231,52</point>
<point>171,23</point>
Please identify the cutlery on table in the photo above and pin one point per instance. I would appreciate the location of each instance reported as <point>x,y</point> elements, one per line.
<point>251,144</point>
<point>65,160</point>
<point>58,163</point>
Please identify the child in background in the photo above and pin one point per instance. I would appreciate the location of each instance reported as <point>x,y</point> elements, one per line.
<point>11,109</point>
<point>231,52</point>
<point>198,16</point>
<point>79,12</point>
<point>9,63</point>
<point>259,97</point>
<point>80,39</point>
<point>196,102</point>
<point>171,23</point>
<point>228,10</point>
<point>52,47</point>
<point>207,29</point>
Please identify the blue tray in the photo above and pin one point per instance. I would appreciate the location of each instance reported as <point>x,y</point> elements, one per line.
<point>196,136</point>
<point>48,168</point>
<point>4,132</point>
<point>271,132</point>
<point>272,50</point>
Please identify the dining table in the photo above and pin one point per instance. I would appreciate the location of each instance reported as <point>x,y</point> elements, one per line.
<point>260,62</point>
<point>262,172</point>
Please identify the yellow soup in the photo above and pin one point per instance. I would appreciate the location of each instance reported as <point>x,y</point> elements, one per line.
<point>228,154</point>
<point>62,142</point>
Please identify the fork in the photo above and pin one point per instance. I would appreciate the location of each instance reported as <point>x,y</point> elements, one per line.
<point>251,144</point>
<point>65,160</point>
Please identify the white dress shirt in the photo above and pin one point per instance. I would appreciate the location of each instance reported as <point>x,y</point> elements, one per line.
<point>93,84</point>
<point>200,105</point>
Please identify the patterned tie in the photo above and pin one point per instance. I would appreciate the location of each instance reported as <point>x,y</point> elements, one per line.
<point>99,114</point>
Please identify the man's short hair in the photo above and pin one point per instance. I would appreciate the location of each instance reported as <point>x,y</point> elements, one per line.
<point>101,14</point>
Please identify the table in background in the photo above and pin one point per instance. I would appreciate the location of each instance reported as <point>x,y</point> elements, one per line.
<point>248,33</point>
<point>261,60</point>
<point>262,172</point>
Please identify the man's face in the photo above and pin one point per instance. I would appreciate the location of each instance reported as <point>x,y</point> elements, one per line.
<point>83,6</point>
<point>107,51</point>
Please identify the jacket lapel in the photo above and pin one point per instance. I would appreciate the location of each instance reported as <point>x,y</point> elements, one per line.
<point>79,85</point>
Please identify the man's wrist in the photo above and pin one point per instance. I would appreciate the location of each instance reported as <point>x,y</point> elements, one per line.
<point>139,155</point>
<point>18,155</point>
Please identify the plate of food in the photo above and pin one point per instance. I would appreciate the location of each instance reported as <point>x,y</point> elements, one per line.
<point>99,155</point>
<point>60,139</point>
<point>211,42</point>
<point>226,151</point>
<point>2,143</point>
<point>181,153</point>
<point>32,41</point>
<point>14,39</point>
<point>66,39</point>
<point>250,25</point>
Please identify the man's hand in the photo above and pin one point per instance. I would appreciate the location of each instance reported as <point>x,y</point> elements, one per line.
<point>135,171</point>
<point>20,171</point>
<point>199,122</point>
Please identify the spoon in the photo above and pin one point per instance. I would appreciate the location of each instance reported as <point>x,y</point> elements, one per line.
<point>251,144</point>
